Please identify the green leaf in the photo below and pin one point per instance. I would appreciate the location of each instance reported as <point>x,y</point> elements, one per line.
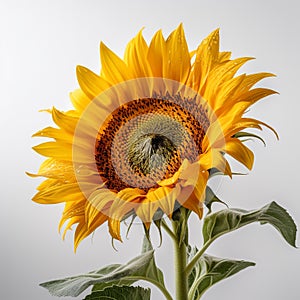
<point>227,220</point>
<point>195,273</point>
<point>149,271</point>
<point>213,270</point>
<point>121,293</point>
<point>73,286</point>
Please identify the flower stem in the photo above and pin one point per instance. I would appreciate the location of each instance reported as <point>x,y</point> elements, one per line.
<point>180,256</point>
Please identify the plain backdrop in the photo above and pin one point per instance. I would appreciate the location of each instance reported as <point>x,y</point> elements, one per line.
<point>41,43</point>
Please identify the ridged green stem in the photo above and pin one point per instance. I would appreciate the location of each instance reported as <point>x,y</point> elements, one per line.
<point>180,256</point>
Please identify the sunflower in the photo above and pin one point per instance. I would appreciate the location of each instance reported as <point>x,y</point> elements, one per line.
<point>146,134</point>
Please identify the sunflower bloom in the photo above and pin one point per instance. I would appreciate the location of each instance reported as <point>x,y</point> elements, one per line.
<point>146,133</point>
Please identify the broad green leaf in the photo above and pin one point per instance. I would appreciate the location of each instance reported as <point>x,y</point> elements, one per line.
<point>152,271</point>
<point>121,293</point>
<point>227,220</point>
<point>148,271</point>
<point>73,286</point>
<point>212,270</point>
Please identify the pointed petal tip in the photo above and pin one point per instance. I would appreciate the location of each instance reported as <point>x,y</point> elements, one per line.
<point>81,70</point>
<point>147,225</point>
<point>48,110</point>
<point>103,47</point>
<point>217,31</point>
<point>31,174</point>
<point>141,30</point>
<point>75,248</point>
<point>180,26</point>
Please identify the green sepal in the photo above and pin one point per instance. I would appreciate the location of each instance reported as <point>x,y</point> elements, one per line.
<point>215,172</point>
<point>242,134</point>
<point>210,198</point>
<point>227,220</point>
<point>181,226</point>
<point>157,223</point>
<point>209,270</point>
<point>130,224</point>
<point>147,232</point>
<point>120,293</point>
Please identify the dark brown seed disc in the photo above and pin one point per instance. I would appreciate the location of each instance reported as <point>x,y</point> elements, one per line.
<point>145,140</point>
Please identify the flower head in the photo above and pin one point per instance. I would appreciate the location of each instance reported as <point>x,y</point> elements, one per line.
<point>146,133</point>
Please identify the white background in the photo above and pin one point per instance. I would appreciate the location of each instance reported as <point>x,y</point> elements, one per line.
<point>41,44</point>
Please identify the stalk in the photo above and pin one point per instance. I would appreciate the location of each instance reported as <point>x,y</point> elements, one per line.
<point>180,257</point>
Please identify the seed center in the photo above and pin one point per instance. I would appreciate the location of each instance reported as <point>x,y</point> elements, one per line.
<point>145,141</point>
<point>150,152</point>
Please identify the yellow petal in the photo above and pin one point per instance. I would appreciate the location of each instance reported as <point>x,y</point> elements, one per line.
<point>125,201</point>
<point>248,123</point>
<point>136,56</point>
<point>206,57</point>
<point>191,173</point>
<point>58,194</point>
<point>200,186</point>
<point>252,79</point>
<point>254,95</point>
<point>52,168</point>
<point>55,133</point>
<point>72,209</point>
<point>188,199</point>
<point>79,100</point>
<point>220,74</point>
<point>240,103</point>
<point>82,230</point>
<point>59,150</point>
<point>146,210</point>
<point>223,56</point>
<point>170,181</point>
<point>214,137</point>
<point>72,221</point>
<point>130,194</point>
<point>91,84</point>
<point>177,65</point>
<point>225,94</point>
<point>165,197</point>
<point>240,152</point>
<point>114,228</point>
<point>92,213</point>
<point>114,70</point>
<point>99,201</point>
<point>196,177</point>
<point>48,183</point>
<point>157,54</point>
<point>64,120</point>
<point>193,53</point>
